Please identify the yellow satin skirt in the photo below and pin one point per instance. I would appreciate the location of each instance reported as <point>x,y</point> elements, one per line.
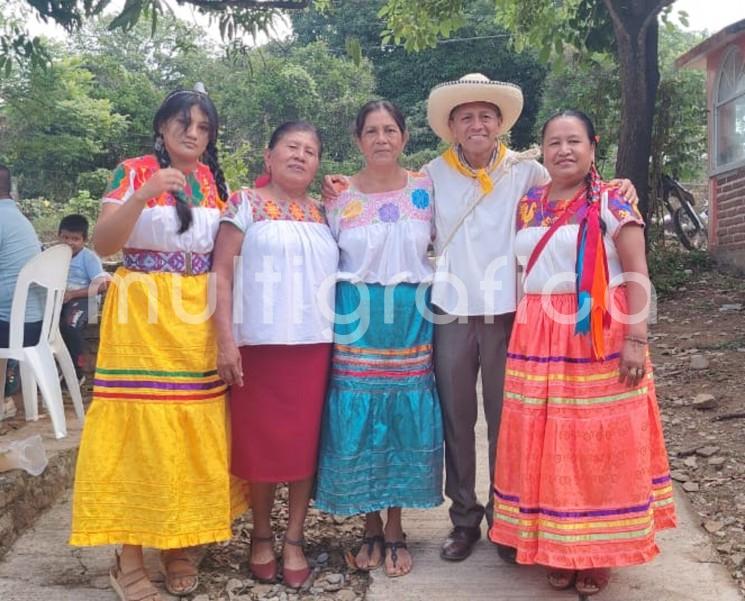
<point>153,466</point>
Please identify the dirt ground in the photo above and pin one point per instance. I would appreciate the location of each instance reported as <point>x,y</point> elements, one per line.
<point>698,349</point>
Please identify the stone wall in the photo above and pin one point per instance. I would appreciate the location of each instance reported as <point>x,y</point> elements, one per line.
<point>24,497</point>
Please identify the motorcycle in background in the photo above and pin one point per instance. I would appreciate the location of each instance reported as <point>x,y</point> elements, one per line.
<point>689,226</point>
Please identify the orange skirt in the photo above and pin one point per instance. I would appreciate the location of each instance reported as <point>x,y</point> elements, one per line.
<point>582,478</point>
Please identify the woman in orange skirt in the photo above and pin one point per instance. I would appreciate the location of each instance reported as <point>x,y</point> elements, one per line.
<point>582,481</point>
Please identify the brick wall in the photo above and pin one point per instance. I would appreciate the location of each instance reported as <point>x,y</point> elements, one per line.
<point>731,217</point>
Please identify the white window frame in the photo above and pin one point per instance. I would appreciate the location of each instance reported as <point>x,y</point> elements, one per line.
<point>716,104</point>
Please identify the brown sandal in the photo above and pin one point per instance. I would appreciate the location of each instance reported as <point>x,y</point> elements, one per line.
<point>127,586</point>
<point>370,542</point>
<point>592,581</point>
<point>560,579</point>
<point>178,566</point>
<point>394,546</point>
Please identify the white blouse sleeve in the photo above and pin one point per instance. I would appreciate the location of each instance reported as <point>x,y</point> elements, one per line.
<point>238,211</point>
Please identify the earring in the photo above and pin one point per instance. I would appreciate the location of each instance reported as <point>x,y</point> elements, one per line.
<point>158,145</point>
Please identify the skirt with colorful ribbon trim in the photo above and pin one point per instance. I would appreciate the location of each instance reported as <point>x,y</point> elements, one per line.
<point>382,434</point>
<point>582,477</point>
<point>153,465</point>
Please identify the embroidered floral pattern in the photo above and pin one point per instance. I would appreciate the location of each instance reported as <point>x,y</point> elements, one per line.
<point>269,208</point>
<point>131,174</point>
<point>353,209</point>
<point>272,210</point>
<point>533,211</point>
<point>413,202</point>
<point>420,198</point>
<point>296,211</point>
<point>389,212</point>
<point>622,209</point>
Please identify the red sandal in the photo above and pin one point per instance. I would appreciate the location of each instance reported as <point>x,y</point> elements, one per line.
<point>266,573</point>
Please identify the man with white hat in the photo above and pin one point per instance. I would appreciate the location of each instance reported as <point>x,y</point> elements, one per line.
<point>478,182</point>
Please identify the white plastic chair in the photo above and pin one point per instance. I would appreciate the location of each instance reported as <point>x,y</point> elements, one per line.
<point>48,270</point>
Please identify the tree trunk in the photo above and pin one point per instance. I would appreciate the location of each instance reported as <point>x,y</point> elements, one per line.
<point>640,77</point>
<point>636,31</point>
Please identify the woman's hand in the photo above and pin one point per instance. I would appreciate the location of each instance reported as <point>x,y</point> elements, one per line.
<point>229,364</point>
<point>632,364</point>
<point>626,189</point>
<point>332,186</point>
<point>163,180</point>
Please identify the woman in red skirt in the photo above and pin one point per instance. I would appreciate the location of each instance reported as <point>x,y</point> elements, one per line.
<point>582,481</point>
<point>275,340</point>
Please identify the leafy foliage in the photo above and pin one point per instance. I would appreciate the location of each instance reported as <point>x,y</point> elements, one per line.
<point>679,137</point>
<point>54,128</point>
<point>406,78</point>
<point>64,127</point>
<point>232,16</point>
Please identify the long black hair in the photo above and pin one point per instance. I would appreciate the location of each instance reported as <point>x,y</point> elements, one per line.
<point>180,103</point>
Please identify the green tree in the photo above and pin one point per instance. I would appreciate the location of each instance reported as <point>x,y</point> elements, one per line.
<point>267,87</point>
<point>406,78</point>
<point>630,29</point>
<point>588,82</point>
<point>232,16</point>
<point>53,129</point>
<point>134,70</point>
<point>679,135</point>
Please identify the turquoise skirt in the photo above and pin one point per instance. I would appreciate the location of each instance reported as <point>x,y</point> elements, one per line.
<point>381,436</point>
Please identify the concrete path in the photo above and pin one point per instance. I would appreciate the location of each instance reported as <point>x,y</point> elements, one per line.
<point>686,570</point>
<point>42,567</point>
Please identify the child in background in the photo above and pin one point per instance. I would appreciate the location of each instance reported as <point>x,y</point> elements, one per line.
<point>85,279</point>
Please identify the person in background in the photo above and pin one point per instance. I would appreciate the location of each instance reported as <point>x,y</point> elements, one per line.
<point>18,244</point>
<point>275,252</point>
<point>382,440</point>
<point>85,280</point>
<point>153,467</point>
<point>582,481</point>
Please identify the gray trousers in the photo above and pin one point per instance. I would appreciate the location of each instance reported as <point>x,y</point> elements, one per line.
<point>460,349</point>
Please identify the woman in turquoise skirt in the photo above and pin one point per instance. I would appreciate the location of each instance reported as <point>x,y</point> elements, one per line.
<point>382,438</point>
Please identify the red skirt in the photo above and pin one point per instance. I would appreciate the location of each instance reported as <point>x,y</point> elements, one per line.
<point>582,477</point>
<point>276,415</point>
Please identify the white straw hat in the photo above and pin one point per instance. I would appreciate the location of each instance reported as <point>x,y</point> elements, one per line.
<point>474,87</point>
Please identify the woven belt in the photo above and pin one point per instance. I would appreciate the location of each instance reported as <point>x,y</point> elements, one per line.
<point>188,263</point>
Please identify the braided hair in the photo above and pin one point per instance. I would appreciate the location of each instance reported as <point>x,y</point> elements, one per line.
<point>180,103</point>
<point>211,160</point>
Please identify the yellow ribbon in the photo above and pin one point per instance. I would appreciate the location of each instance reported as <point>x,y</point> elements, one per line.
<point>482,175</point>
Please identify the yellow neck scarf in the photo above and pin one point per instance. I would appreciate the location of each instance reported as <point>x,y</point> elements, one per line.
<point>452,158</point>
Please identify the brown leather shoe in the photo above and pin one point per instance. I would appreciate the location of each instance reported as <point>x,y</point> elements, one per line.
<point>459,543</point>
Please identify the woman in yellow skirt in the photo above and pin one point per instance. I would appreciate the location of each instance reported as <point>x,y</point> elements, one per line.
<point>153,464</point>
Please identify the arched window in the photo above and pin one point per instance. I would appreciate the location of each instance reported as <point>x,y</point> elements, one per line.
<point>729,111</point>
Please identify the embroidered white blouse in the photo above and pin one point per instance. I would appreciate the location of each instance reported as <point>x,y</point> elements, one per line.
<point>554,269</point>
<point>157,226</point>
<point>285,277</point>
<point>383,237</point>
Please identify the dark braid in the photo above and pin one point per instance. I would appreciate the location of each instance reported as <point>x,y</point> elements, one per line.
<point>183,210</point>
<point>212,162</point>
